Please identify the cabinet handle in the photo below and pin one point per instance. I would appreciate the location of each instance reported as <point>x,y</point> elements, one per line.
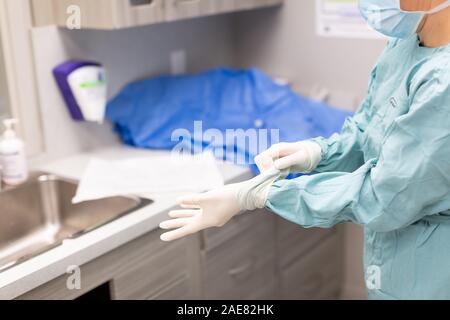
<point>241,270</point>
<point>137,3</point>
<point>185,1</point>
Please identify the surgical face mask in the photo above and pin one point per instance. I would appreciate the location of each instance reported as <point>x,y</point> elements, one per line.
<point>387,17</point>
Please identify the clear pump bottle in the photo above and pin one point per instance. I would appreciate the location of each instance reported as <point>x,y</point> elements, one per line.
<point>12,155</point>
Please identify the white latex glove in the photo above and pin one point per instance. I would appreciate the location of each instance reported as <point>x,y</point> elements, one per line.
<point>217,207</point>
<point>298,157</point>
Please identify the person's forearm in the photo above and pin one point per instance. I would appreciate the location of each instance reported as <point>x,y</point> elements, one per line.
<point>342,152</point>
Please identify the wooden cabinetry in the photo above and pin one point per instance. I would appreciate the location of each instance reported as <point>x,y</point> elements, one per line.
<point>184,9</point>
<point>242,264</point>
<point>255,256</point>
<point>145,268</point>
<point>98,14</point>
<point>118,14</point>
<point>309,261</point>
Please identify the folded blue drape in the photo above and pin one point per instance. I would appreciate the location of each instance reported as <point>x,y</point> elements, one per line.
<point>169,111</point>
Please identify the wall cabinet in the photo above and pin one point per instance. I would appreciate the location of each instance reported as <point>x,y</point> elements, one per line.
<point>117,14</point>
<point>256,256</point>
<point>98,14</point>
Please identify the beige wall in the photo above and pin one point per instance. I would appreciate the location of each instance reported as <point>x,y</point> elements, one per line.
<point>286,44</point>
<point>136,53</point>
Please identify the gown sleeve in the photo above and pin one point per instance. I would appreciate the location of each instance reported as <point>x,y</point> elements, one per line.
<point>409,180</point>
<point>342,152</point>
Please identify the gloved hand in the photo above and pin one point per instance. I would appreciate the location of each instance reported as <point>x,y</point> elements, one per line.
<point>217,207</point>
<point>202,211</point>
<point>298,157</point>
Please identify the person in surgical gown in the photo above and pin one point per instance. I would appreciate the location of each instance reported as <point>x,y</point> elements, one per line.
<point>389,168</point>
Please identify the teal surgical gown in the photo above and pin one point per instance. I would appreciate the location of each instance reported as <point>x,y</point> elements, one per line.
<point>389,170</point>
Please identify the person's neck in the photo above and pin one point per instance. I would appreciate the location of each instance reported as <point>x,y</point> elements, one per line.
<point>435,30</point>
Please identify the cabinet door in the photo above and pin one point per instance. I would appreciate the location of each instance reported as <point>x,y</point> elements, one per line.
<point>294,241</point>
<point>215,237</point>
<point>220,6</point>
<point>142,269</point>
<point>315,275</point>
<point>94,14</point>
<point>133,13</point>
<point>178,290</point>
<point>101,14</point>
<point>153,272</point>
<point>243,266</point>
<point>116,14</point>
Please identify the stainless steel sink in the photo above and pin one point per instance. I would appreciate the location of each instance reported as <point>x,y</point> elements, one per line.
<point>39,215</point>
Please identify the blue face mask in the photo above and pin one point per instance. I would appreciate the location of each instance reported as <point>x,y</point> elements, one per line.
<point>387,17</point>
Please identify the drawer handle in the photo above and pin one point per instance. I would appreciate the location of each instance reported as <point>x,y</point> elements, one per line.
<point>137,3</point>
<point>185,1</point>
<point>241,270</point>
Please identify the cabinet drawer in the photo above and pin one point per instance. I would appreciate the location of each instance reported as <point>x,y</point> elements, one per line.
<point>316,275</point>
<point>293,240</point>
<point>242,267</point>
<point>94,14</point>
<point>109,14</point>
<point>135,256</point>
<point>179,290</point>
<point>152,272</point>
<point>132,13</point>
<point>238,225</point>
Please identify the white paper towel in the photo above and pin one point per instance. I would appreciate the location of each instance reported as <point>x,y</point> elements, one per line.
<point>162,174</point>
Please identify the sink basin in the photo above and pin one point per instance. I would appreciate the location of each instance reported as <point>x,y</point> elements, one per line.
<point>39,215</point>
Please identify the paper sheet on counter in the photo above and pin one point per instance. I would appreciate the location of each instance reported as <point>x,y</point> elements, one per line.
<point>162,174</point>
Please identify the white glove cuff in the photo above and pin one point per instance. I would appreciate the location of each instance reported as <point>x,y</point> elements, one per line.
<point>314,152</point>
<point>254,193</point>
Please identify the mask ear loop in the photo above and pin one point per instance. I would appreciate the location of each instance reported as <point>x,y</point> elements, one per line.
<point>436,9</point>
<point>442,6</point>
<point>421,22</point>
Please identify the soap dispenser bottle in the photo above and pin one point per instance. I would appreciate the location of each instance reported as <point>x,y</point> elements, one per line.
<point>12,155</point>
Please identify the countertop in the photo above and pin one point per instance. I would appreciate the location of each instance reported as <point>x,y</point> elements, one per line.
<point>54,263</point>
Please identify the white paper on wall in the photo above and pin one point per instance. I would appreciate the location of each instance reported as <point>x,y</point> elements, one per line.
<point>342,19</point>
